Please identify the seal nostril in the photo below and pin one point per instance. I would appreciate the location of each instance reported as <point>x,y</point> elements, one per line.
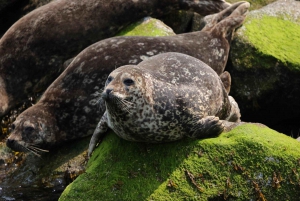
<point>9,142</point>
<point>108,91</point>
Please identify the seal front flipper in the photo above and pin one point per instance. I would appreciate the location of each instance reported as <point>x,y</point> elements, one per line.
<point>209,126</point>
<point>98,133</point>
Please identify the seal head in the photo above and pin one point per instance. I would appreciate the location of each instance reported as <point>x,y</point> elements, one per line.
<point>30,133</point>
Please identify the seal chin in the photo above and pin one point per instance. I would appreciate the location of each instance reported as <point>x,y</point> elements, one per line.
<point>21,146</point>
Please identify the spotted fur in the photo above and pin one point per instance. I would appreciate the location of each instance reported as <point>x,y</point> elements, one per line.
<point>165,98</point>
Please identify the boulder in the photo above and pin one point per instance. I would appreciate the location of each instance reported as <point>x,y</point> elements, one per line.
<point>250,162</point>
<point>180,21</point>
<point>147,26</point>
<point>265,66</point>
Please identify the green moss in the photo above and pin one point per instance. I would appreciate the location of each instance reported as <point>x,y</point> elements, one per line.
<point>238,165</point>
<point>274,37</point>
<point>147,27</point>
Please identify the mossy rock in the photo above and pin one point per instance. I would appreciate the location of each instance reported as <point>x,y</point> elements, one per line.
<point>265,66</point>
<point>269,38</point>
<point>147,27</point>
<point>250,162</point>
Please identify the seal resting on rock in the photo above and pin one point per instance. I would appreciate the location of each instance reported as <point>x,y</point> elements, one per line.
<point>69,110</point>
<point>34,49</point>
<point>163,99</point>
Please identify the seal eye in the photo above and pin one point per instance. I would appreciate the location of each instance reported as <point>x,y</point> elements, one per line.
<point>109,79</point>
<point>13,127</point>
<point>128,82</point>
<point>28,129</point>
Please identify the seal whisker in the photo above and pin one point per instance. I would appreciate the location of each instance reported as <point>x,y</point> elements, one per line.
<point>38,149</point>
<point>101,104</point>
<point>32,151</point>
<point>123,105</point>
<point>128,103</point>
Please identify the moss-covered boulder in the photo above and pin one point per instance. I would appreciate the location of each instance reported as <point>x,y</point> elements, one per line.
<point>265,66</point>
<point>251,162</point>
<point>147,26</point>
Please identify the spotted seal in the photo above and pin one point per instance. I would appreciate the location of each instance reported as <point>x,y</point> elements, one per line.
<point>34,49</point>
<point>69,110</point>
<point>163,99</point>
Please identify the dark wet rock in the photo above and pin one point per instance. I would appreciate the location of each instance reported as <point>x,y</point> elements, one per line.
<point>6,3</point>
<point>265,66</point>
<point>29,176</point>
<point>179,21</point>
<point>12,10</point>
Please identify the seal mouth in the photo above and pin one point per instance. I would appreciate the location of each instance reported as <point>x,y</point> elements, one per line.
<point>21,146</point>
<point>106,94</point>
<point>15,145</point>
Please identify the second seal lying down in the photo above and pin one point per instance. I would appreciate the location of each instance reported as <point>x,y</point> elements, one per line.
<point>165,98</point>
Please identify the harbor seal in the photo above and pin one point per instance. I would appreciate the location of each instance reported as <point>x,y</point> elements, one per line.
<point>68,109</point>
<point>166,98</point>
<point>34,49</point>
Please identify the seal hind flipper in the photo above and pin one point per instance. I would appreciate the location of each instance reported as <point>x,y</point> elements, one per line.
<point>226,26</point>
<point>226,79</point>
<point>235,115</point>
<point>98,134</point>
<point>214,19</point>
<point>223,23</point>
<point>209,126</point>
